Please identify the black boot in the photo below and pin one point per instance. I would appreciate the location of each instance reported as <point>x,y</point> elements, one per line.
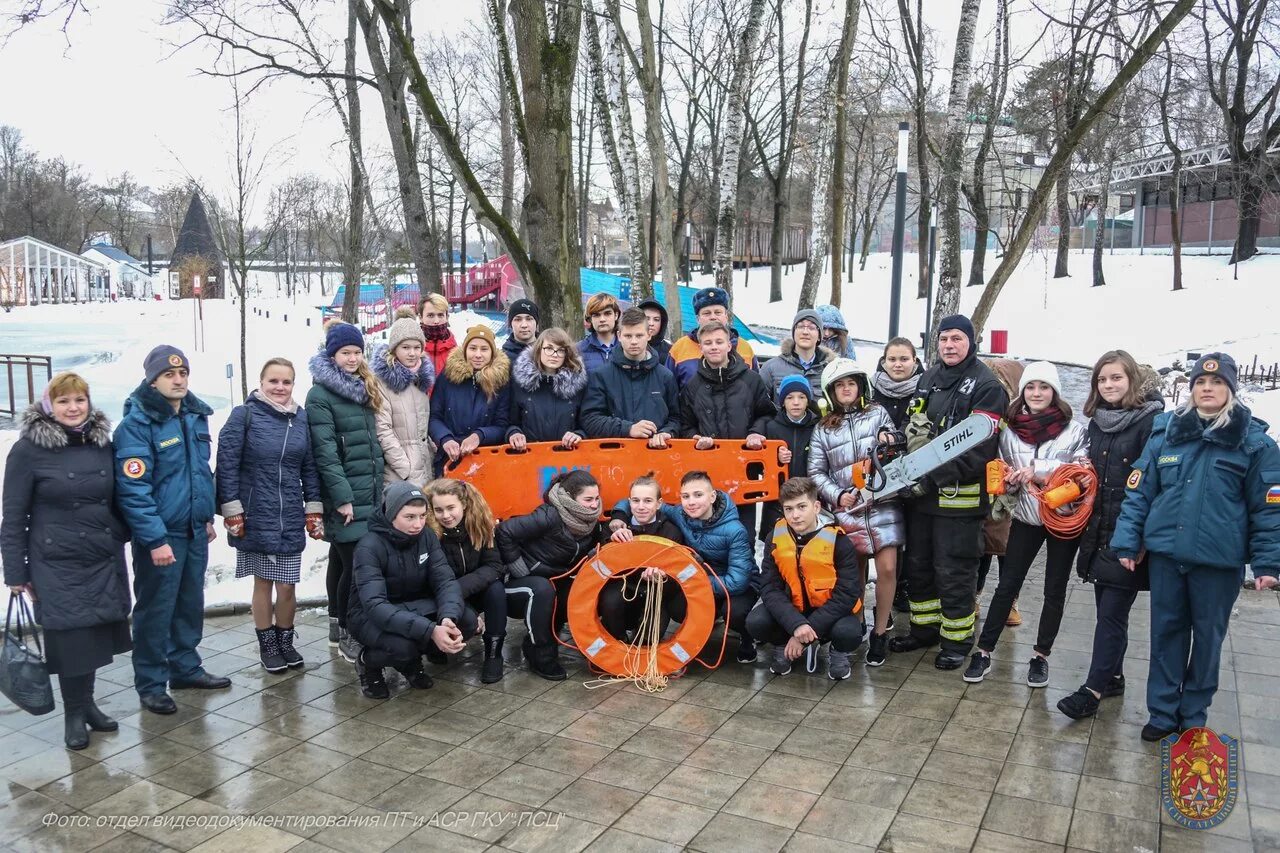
<point>491,671</point>
<point>284,639</point>
<point>97,720</point>
<point>269,650</point>
<point>372,684</point>
<point>74,690</point>
<point>544,660</point>
<point>417,676</point>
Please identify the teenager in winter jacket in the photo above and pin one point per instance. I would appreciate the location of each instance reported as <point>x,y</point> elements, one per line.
<point>945,514</point>
<point>165,489</point>
<point>622,601</point>
<point>601,315</point>
<point>710,305</point>
<point>523,317</point>
<point>471,401</point>
<point>1121,412</point>
<point>656,321</point>
<point>845,438</point>
<point>438,340</point>
<point>811,585</point>
<point>465,525</point>
<point>896,379</point>
<point>547,543</point>
<point>709,522</point>
<point>633,396</point>
<point>802,354</point>
<point>548,383</point>
<point>1039,439</point>
<point>404,596</point>
<point>1203,500</point>
<point>724,399</point>
<point>62,544</point>
<point>342,408</point>
<point>403,419</point>
<point>269,498</point>
<point>794,425</point>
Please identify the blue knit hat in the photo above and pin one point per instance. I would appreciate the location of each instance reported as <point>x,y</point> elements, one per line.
<point>162,358</point>
<point>832,319</point>
<point>709,296</point>
<point>793,383</point>
<point>1216,364</point>
<point>340,335</point>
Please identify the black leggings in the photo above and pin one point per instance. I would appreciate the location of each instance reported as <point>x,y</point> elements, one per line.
<point>532,599</point>
<point>845,635</point>
<point>984,568</point>
<point>337,580</point>
<point>1110,635</point>
<point>1024,544</point>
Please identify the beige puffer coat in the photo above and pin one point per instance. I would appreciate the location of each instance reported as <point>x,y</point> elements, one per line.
<point>402,420</point>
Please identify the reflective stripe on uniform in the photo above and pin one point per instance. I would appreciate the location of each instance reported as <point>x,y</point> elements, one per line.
<point>961,497</point>
<point>957,629</point>
<point>958,636</point>
<point>934,618</point>
<point>925,606</point>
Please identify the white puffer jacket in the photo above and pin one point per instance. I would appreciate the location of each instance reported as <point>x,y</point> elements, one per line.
<point>402,419</point>
<point>1070,445</point>
<point>832,454</point>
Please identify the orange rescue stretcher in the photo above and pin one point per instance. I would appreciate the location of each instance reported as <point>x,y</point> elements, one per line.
<point>513,481</point>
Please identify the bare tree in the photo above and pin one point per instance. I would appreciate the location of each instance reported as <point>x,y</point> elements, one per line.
<point>839,144</point>
<point>975,192</point>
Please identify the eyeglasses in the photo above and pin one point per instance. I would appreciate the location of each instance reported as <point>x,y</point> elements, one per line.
<point>551,349</point>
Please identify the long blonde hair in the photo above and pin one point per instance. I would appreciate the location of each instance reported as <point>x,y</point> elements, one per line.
<point>371,385</point>
<point>1221,419</point>
<point>477,518</point>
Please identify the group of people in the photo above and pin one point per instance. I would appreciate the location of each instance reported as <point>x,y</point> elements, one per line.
<point>419,565</point>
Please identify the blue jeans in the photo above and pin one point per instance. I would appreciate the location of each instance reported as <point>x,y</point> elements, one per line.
<point>1187,602</point>
<point>168,614</point>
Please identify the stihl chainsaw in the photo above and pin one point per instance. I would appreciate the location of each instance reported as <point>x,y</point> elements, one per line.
<point>881,476</point>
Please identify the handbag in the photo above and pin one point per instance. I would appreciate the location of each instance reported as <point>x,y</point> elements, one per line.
<point>24,677</point>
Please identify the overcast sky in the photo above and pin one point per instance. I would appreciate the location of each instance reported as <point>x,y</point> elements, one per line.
<point>115,95</point>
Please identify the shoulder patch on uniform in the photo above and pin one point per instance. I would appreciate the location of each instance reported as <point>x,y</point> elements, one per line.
<point>134,468</point>
<point>170,442</point>
<point>1171,459</point>
<point>1134,479</point>
<point>1273,495</point>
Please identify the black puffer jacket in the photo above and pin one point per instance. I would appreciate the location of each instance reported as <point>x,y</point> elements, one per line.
<point>797,436</point>
<point>540,544</point>
<point>660,526</point>
<point>623,392</point>
<point>544,407</point>
<point>725,402</point>
<point>400,585</point>
<point>475,568</point>
<point>61,531</point>
<point>1113,455</point>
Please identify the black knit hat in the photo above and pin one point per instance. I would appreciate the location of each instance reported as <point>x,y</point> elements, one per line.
<point>961,323</point>
<point>162,358</point>
<point>1216,364</point>
<point>523,306</point>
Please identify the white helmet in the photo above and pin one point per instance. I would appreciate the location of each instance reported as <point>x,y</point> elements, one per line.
<point>839,369</point>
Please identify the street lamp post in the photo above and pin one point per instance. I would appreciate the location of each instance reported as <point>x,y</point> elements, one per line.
<point>899,225</point>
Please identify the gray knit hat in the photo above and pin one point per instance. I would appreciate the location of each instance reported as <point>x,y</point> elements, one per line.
<point>396,495</point>
<point>162,358</point>
<point>404,329</point>
<point>806,314</point>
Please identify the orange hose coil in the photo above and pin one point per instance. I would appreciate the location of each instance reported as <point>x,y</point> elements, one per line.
<point>1069,480</point>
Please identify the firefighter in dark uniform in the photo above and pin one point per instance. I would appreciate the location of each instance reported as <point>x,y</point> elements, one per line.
<point>1202,500</point>
<point>946,510</point>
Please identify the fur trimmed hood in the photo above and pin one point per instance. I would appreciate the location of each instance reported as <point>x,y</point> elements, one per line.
<point>396,376</point>
<point>490,379</point>
<point>822,355</point>
<point>326,374</point>
<point>565,383</point>
<point>154,405</point>
<point>43,431</point>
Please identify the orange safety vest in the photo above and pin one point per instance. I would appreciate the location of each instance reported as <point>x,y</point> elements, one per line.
<point>811,574</point>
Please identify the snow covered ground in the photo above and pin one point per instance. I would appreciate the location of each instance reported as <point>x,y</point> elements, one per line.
<point>1064,320</point>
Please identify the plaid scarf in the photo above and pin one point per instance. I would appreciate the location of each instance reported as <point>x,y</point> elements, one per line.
<point>1037,429</point>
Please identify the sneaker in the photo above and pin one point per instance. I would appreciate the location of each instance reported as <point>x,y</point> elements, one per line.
<point>348,647</point>
<point>838,668</point>
<point>1015,618</point>
<point>780,665</point>
<point>435,656</point>
<point>335,633</point>
<point>747,650</point>
<point>876,648</point>
<point>372,683</point>
<point>417,677</point>
<point>1038,673</point>
<point>1079,705</point>
<point>977,669</point>
<point>1152,733</point>
<point>1115,687</point>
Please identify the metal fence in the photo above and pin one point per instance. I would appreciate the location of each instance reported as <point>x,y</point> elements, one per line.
<point>25,366</point>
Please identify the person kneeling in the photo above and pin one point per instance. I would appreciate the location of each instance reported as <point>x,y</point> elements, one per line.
<point>811,586</point>
<point>404,596</point>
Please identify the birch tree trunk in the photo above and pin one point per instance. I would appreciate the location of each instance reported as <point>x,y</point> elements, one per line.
<point>1104,198</point>
<point>948,301</point>
<point>839,144</point>
<point>735,122</point>
<point>819,205</point>
<point>354,238</point>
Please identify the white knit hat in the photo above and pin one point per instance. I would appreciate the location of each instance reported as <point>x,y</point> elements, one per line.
<point>1041,371</point>
<point>404,329</point>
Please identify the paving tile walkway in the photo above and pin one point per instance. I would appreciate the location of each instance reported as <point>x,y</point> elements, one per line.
<point>900,758</point>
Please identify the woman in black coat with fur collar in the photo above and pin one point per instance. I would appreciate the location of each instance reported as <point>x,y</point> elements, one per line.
<point>548,382</point>
<point>62,542</point>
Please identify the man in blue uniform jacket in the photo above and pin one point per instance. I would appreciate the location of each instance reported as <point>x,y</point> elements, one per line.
<point>165,490</point>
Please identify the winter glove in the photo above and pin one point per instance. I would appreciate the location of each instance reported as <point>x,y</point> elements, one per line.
<point>315,525</point>
<point>919,431</point>
<point>1002,507</point>
<point>234,525</point>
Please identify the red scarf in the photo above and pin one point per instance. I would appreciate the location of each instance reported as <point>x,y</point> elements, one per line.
<point>436,333</point>
<point>1037,429</point>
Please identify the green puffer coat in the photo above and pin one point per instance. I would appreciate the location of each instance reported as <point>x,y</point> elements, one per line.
<point>344,441</point>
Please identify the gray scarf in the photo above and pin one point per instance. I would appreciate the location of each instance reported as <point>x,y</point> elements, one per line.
<point>894,388</point>
<point>1118,420</point>
<point>577,518</point>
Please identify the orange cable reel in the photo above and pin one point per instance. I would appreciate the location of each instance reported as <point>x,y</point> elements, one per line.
<point>1073,486</point>
<point>615,560</point>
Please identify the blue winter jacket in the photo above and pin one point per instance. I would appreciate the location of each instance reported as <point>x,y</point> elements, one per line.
<point>163,482</point>
<point>267,474</point>
<point>595,355</point>
<point>465,401</point>
<point>1209,498</point>
<point>721,541</point>
<point>624,392</point>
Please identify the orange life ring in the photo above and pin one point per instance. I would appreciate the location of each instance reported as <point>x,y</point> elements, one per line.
<point>615,560</point>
